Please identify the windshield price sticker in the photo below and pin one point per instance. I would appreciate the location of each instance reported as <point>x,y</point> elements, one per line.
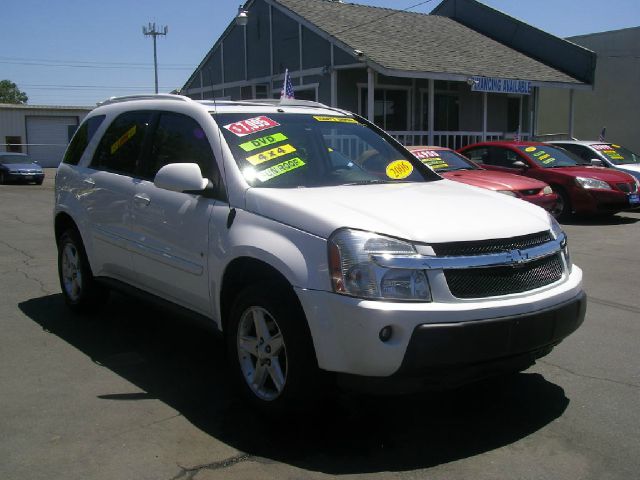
<point>543,157</point>
<point>128,135</point>
<point>399,169</point>
<point>272,154</point>
<point>436,163</point>
<point>336,119</point>
<point>279,169</point>
<point>251,125</point>
<point>424,154</point>
<point>262,142</point>
<point>602,147</point>
<point>530,149</point>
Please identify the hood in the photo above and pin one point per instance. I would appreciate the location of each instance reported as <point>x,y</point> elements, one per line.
<point>609,175</point>
<point>23,166</point>
<point>432,212</point>
<point>494,180</point>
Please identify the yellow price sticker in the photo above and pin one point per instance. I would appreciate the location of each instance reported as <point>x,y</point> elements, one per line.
<point>123,139</point>
<point>280,169</point>
<point>262,142</point>
<point>399,169</point>
<point>335,119</point>
<point>530,149</point>
<point>615,146</point>
<point>272,154</point>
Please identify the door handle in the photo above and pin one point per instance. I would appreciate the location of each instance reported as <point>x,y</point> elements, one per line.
<point>141,199</point>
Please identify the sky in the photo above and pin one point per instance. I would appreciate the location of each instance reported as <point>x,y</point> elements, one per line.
<point>79,52</point>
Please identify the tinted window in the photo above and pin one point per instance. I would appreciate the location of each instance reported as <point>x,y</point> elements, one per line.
<point>81,139</point>
<point>179,139</point>
<point>300,150</point>
<point>7,159</point>
<point>478,155</point>
<point>503,157</point>
<point>120,148</point>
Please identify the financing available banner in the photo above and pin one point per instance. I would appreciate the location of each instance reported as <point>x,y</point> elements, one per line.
<point>500,85</point>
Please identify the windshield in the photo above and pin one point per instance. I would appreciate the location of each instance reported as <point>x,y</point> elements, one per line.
<point>7,159</point>
<point>301,150</point>
<point>616,154</point>
<point>547,156</point>
<point>443,160</point>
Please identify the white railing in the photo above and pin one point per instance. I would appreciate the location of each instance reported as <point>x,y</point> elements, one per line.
<point>452,139</point>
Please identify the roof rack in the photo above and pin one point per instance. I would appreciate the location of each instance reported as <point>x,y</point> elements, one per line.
<point>286,102</point>
<point>149,96</point>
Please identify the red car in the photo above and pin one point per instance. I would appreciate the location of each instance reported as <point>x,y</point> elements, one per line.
<point>454,166</point>
<point>583,189</point>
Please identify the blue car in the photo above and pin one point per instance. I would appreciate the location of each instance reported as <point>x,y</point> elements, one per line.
<point>18,167</point>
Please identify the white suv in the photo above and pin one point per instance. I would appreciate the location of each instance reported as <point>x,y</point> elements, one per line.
<point>313,240</point>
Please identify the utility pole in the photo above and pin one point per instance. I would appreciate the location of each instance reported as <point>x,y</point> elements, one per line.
<point>150,31</point>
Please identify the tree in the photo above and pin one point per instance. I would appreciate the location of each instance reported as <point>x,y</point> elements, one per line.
<point>10,93</point>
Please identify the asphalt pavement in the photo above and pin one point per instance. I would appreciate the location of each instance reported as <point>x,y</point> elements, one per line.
<point>138,393</point>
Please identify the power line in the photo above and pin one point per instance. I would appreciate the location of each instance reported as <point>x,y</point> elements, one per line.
<point>49,60</point>
<point>132,67</point>
<point>394,12</point>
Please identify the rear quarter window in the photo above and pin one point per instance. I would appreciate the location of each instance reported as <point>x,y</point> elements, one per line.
<point>81,139</point>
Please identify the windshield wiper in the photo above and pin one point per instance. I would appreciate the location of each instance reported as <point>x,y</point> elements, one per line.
<point>369,182</point>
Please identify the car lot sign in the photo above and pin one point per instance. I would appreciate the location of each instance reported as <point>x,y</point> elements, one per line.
<point>500,85</point>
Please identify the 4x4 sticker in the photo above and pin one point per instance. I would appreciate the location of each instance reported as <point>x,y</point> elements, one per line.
<point>272,154</point>
<point>262,142</point>
<point>399,169</point>
<point>335,119</point>
<point>251,125</point>
<point>128,135</point>
<point>279,169</point>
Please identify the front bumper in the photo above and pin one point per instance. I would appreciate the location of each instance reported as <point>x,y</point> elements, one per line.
<point>23,177</point>
<point>346,330</point>
<point>601,201</point>
<point>548,202</point>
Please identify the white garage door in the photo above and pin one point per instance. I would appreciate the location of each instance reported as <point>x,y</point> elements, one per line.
<point>48,137</point>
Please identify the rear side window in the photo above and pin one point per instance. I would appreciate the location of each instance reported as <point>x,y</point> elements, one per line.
<point>478,155</point>
<point>121,146</point>
<point>81,139</point>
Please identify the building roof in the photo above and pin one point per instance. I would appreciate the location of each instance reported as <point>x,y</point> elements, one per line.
<point>399,41</point>
<point>24,106</point>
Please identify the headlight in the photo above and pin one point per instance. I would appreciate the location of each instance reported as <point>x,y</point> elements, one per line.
<point>556,232</point>
<point>354,273</point>
<point>547,190</point>
<point>507,192</point>
<point>585,182</point>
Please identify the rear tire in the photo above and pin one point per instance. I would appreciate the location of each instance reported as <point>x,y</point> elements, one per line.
<point>270,350</point>
<point>80,290</point>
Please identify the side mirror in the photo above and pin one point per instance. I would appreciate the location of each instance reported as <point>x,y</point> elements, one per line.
<point>596,162</point>
<point>519,164</point>
<point>181,177</point>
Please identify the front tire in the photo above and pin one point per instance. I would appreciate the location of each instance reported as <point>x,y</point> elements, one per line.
<point>562,209</point>
<point>270,349</point>
<point>80,290</point>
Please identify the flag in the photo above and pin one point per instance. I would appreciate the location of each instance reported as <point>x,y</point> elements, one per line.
<point>602,134</point>
<point>287,87</point>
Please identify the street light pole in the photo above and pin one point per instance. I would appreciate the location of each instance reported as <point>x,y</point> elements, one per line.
<point>150,31</point>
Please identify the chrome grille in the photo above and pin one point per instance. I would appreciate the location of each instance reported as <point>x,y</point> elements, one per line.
<point>494,281</point>
<point>483,247</point>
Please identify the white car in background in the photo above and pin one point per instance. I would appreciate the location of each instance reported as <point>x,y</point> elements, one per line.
<point>603,154</point>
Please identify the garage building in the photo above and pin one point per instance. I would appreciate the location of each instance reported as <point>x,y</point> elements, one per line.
<point>41,131</point>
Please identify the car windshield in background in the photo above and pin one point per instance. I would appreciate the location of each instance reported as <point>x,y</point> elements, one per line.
<point>551,157</point>
<point>616,154</point>
<point>443,160</point>
<point>301,150</point>
<point>8,159</point>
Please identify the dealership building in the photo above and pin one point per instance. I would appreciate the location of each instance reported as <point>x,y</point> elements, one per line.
<point>463,73</point>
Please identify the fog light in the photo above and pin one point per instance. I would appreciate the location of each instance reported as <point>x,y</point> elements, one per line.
<point>385,333</point>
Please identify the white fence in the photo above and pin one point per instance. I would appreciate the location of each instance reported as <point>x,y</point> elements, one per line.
<point>452,139</point>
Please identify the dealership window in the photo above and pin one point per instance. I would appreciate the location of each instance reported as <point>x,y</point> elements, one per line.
<point>446,107</point>
<point>14,144</point>
<point>391,107</point>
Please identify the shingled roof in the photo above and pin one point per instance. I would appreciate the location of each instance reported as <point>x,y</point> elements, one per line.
<point>399,41</point>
